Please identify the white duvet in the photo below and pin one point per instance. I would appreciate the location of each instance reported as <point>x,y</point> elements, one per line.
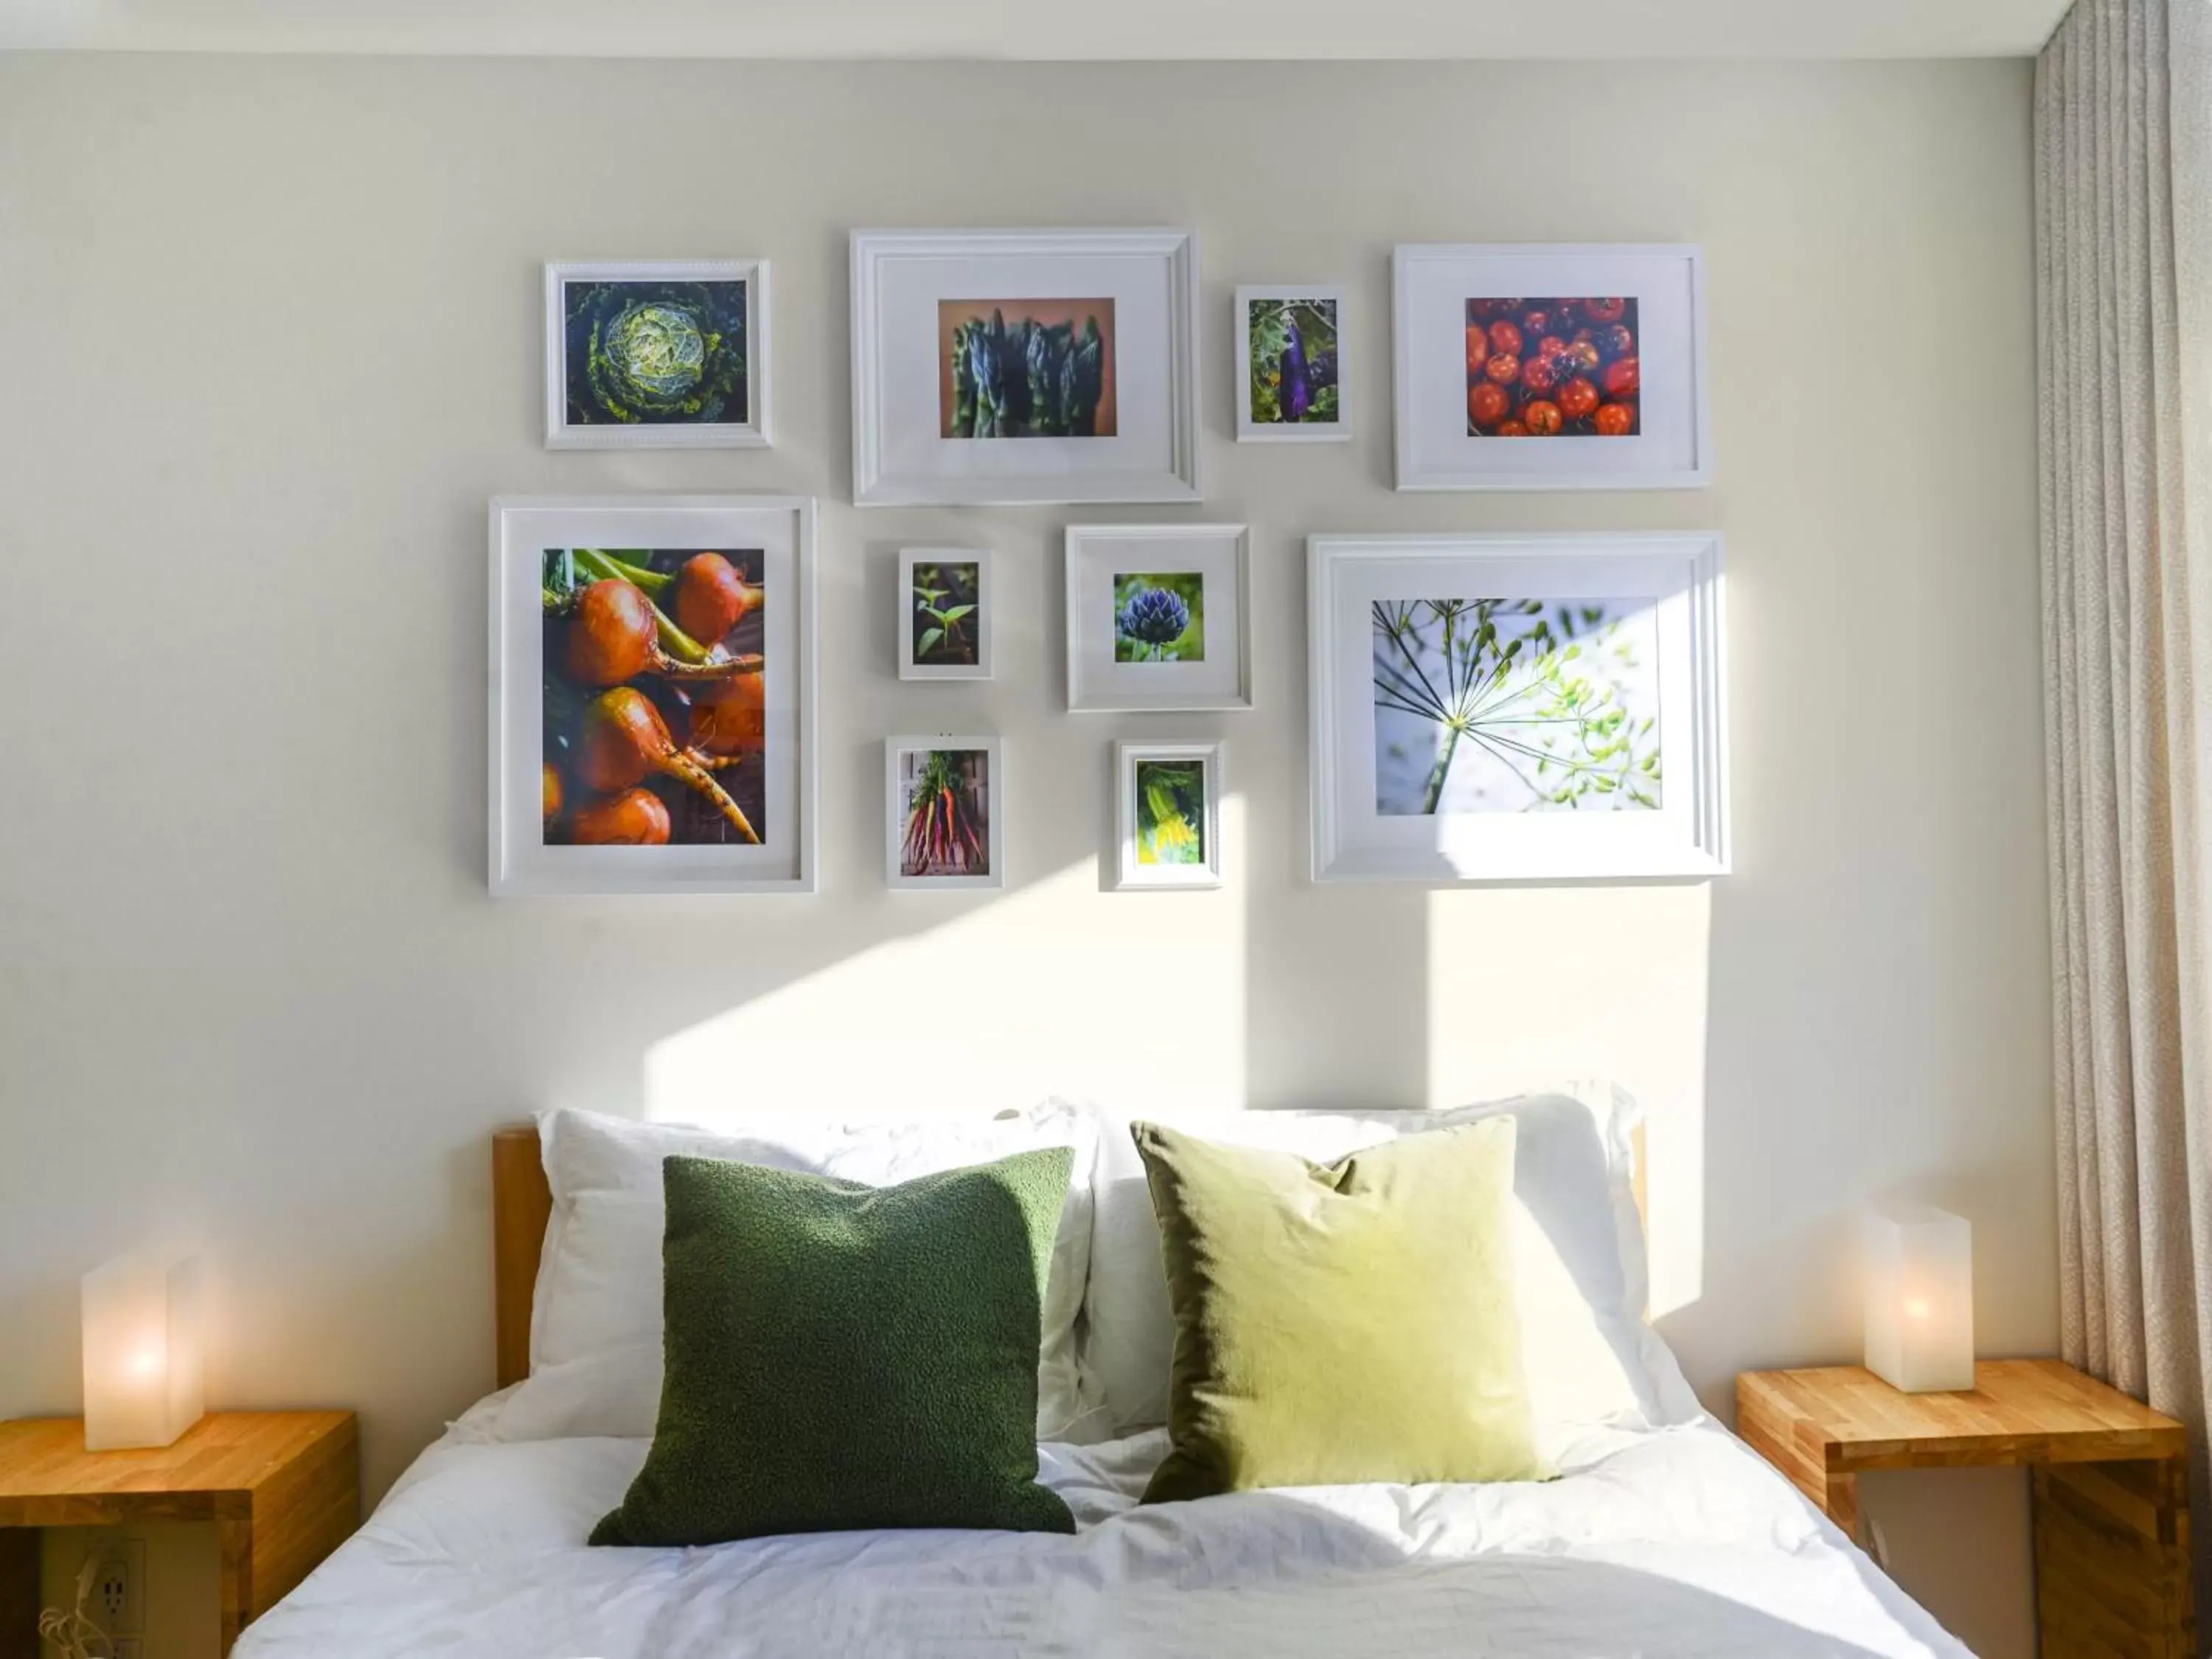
<point>1675,1542</point>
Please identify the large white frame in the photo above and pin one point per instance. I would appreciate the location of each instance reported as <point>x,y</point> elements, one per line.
<point>987,605</point>
<point>756,431</point>
<point>1433,449</point>
<point>1250,431</point>
<point>1129,874</point>
<point>1681,572</point>
<point>1066,261</point>
<point>520,862</point>
<point>994,811</point>
<point>1085,540</point>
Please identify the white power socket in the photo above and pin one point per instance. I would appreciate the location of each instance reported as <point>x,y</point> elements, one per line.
<point>118,1587</point>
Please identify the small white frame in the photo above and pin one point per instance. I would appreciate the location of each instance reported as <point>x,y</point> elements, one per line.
<point>1250,431</point>
<point>1222,550</point>
<point>756,431</point>
<point>1681,572</point>
<point>987,605</point>
<point>1130,873</point>
<point>994,793</point>
<point>1672,451</point>
<point>520,861</point>
<point>1036,263</point>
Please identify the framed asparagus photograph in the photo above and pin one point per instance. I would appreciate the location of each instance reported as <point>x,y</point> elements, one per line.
<point>1518,708</point>
<point>653,694</point>
<point>1167,814</point>
<point>997,367</point>
<point>943,824</point>
<point>1597,383</point>
<point>1157,618</point>
<point>1291,365</point>
<point>944,613</point>
<point>660,354</point>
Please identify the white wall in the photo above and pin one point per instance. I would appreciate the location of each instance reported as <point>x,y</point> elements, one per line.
<point>270,336</point>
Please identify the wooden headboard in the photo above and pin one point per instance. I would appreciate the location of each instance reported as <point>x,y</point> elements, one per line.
<point>521,1204</point>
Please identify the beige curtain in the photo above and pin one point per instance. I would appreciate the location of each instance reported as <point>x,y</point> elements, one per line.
<point>2123,250</point>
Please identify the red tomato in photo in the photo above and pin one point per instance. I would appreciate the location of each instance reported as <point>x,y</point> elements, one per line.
<point>1505,339</point>
<point>1510,430</point>
<point>1477,348</point>
<point>1537,321</point>
<point>1623,377</point>
<point>1542,416</point>
<point>1504,368</point>
<point>1605,311</point>
<point>1540,373</point>
<point>1579,358</point>
<point>1578,397</point>
<point>1550,346</point>
<point>1616,341</point>
<point>1616,420</point>
<point>1481,307</point>
<point>1487,403</point>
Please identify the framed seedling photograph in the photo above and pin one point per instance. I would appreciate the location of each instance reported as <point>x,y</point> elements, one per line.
<point>995,367</point>
<point>944,825</point>
<point>1157,618</point>
<point>1291,365</point>
<point>1518,707</point>
<point>652,684</point>
<point>945,608</point>
<point>1167,815</point>
<point>1550,367</point>
<point>657,355</point>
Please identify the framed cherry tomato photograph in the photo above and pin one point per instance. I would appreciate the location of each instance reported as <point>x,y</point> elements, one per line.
<point>1556,366</point>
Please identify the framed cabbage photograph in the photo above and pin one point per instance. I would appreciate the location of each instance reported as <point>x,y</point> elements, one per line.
<point>1518,707</point>
<point>652,697</point>
<point>1004,367</point>
<point>1158,617</point>
<point>657,355</point>
<point>1550,367</point>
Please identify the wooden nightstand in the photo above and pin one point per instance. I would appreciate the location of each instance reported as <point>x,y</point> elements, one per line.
<point>2110,1484</point>
<point>283,1489</point>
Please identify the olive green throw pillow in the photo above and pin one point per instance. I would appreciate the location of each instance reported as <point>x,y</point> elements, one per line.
<point>842,1357</point>
<point>1349,1323</point>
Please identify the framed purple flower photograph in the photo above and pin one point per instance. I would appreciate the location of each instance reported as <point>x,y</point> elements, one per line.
<point>1156,617</point>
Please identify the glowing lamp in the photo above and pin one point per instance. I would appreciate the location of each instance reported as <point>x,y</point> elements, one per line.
<point>1920,1299</point>
<point>142,1352</point>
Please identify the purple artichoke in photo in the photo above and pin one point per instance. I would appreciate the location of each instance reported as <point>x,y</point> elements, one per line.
<point>1154,616</point>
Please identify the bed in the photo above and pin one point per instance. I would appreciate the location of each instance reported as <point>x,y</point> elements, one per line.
<point>1672,1541</point>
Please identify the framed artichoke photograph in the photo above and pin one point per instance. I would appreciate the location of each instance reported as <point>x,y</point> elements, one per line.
<point>1000,368</point>
<point>1167,815</point>
<point>1291,365</point>
<point>1550,367</point>
<point>945,826</point>
<point>1157,618</point>
<point>653,694</point>
<point>668,354</point>
<point>1518,707</point>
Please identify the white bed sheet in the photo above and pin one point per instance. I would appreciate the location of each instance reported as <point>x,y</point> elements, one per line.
<point>1677,1542</point>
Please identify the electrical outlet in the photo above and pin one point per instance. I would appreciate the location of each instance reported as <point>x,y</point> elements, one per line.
<point>118,1587</point>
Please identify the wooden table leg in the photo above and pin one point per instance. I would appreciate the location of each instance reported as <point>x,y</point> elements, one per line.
<point>234,1576</point>
<point>19,1593</point>
<point>2111,1560</point>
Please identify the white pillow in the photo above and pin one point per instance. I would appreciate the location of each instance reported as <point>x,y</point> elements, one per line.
<point>1578,1256</point>
<point>595,1329</point>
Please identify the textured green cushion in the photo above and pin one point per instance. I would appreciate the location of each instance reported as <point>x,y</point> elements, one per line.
<point>1349,1323</point>
<point>840,1356</point>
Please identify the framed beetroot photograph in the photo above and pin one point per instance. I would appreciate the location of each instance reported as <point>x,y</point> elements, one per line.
<point>1550,367</point>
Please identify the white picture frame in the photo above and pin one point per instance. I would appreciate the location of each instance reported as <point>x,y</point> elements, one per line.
<point>1385,767</point>
<point>532,854</point>
<point>911,290</point>
<point>912,629</point>
<point>1134,871</point>
<point>755,431</point>
<point>897,807</point>
<point>1331,298</point>
<point>1440,442</point>
<point>1212,565</point>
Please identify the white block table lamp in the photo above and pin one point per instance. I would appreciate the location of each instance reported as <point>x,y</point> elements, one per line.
<point>1920,1299</point>
<point>142,1352</point>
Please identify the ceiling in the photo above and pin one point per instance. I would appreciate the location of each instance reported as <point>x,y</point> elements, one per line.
<point>1074,29</point>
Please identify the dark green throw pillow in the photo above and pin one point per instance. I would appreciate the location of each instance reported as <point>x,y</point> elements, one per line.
<point>841,1357</point>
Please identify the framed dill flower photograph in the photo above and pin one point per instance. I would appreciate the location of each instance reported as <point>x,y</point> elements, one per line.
<point>667,355</point>
<point>1168,815</point>
<point>1157,617</point>
<point>1291,365</point>
<point>944,826</point>
<point>1518,707</point>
